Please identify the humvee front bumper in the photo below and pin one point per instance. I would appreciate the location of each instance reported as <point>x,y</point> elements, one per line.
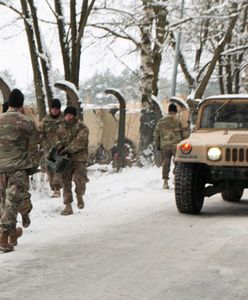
<point>231,173</point>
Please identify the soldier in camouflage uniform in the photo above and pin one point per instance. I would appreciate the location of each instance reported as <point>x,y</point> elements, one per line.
<point>49,130</point>
<point>26,205</point>
<point>167,134</point>
<point>17,148</point>
<point>73,141</point>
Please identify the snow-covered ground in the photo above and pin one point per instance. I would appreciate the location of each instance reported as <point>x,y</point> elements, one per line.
<point>128,243</point>
<point>109,199</point>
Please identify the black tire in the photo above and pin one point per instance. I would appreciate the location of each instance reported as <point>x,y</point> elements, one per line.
<point>189,188</point>
<point>232,194</point>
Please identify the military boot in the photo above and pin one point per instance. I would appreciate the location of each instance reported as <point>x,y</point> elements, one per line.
<point>80,203</point>
<point>4,242</point>
<point>67,210</point>
<point>25,210</point>
<point>25,220</point>
<point>165,185</point>
<point>14,236</point>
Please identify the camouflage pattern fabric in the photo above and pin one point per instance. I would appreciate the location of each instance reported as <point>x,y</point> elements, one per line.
<point>13,191</point>
<point>55,180</point>
<point>49,137</point>
<point>26,205</point>
<point>74,138</point>
<point>167,134</point>
<point>18,145</point>
<point>168,131</point>
<point>18,152</point>
<point>49,131</point>
<point>77,172</point>
<point>167,153</point>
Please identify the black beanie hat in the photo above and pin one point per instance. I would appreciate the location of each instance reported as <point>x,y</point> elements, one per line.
<point>70,110</point>
<point>56,103</point>
<point>172,108</point>
<point>16,98</point>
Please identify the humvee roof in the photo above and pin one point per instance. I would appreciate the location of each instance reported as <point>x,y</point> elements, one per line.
<point>228,96</point>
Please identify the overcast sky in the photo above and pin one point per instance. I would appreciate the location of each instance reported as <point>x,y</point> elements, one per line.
<point>15,57</point>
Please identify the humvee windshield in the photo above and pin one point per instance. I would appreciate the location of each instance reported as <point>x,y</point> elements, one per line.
<point>225,115</point>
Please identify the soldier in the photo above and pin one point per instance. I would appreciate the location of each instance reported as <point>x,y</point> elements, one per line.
<point>49,130</point>
<point>26,205</point>
<point>73,141</point>
<point>168,133</point>
<point>17,148</point>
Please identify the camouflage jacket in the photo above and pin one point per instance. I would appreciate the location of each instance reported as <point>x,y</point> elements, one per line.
<point>18,147</point>
<point>49,127</point>
<point>74,137</point>
<point>168,131</point>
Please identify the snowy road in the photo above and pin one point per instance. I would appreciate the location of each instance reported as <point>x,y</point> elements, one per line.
<point>129,243</point>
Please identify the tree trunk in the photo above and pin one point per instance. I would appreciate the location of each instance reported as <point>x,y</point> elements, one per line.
<point>203,38</point>
<point>77,36</point>
<point>147,119</point>
<point>228,68</point>
<point>40,97</point>
<point>63,39</point>
<point>74,66</point>
<point>160,22</point>
<point>45,61</point>
<point>226,39</point>
<point>220,77</point>
<point>182,63</point>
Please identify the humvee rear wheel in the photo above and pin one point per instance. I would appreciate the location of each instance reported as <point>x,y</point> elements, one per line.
<point>189,187</point>
<point>232,194</point>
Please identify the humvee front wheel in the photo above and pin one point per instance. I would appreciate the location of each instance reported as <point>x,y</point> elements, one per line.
<point>232,194</point>
<point>189,187</point>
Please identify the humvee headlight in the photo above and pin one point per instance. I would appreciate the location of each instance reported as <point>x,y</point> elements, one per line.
<point>185,148</point>
<point>214,153</point>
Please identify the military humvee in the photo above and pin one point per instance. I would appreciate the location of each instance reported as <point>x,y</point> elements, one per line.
<point>214,159</point>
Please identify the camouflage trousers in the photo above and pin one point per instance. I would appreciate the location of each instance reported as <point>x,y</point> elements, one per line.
<point>78,173</point>
<point>55,180</point>
<point>167,153</point>
<point>14,188</point>
<point>26,205</point>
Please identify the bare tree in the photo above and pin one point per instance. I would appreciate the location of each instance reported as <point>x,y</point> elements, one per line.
<point>208,37</point>
<point>27,13</point>
<point>38,83</point>
<point>234,60</point>
<point>217,53</point>
<point>71,34</point>
<point>43,55</point>
<point>144,25</point>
